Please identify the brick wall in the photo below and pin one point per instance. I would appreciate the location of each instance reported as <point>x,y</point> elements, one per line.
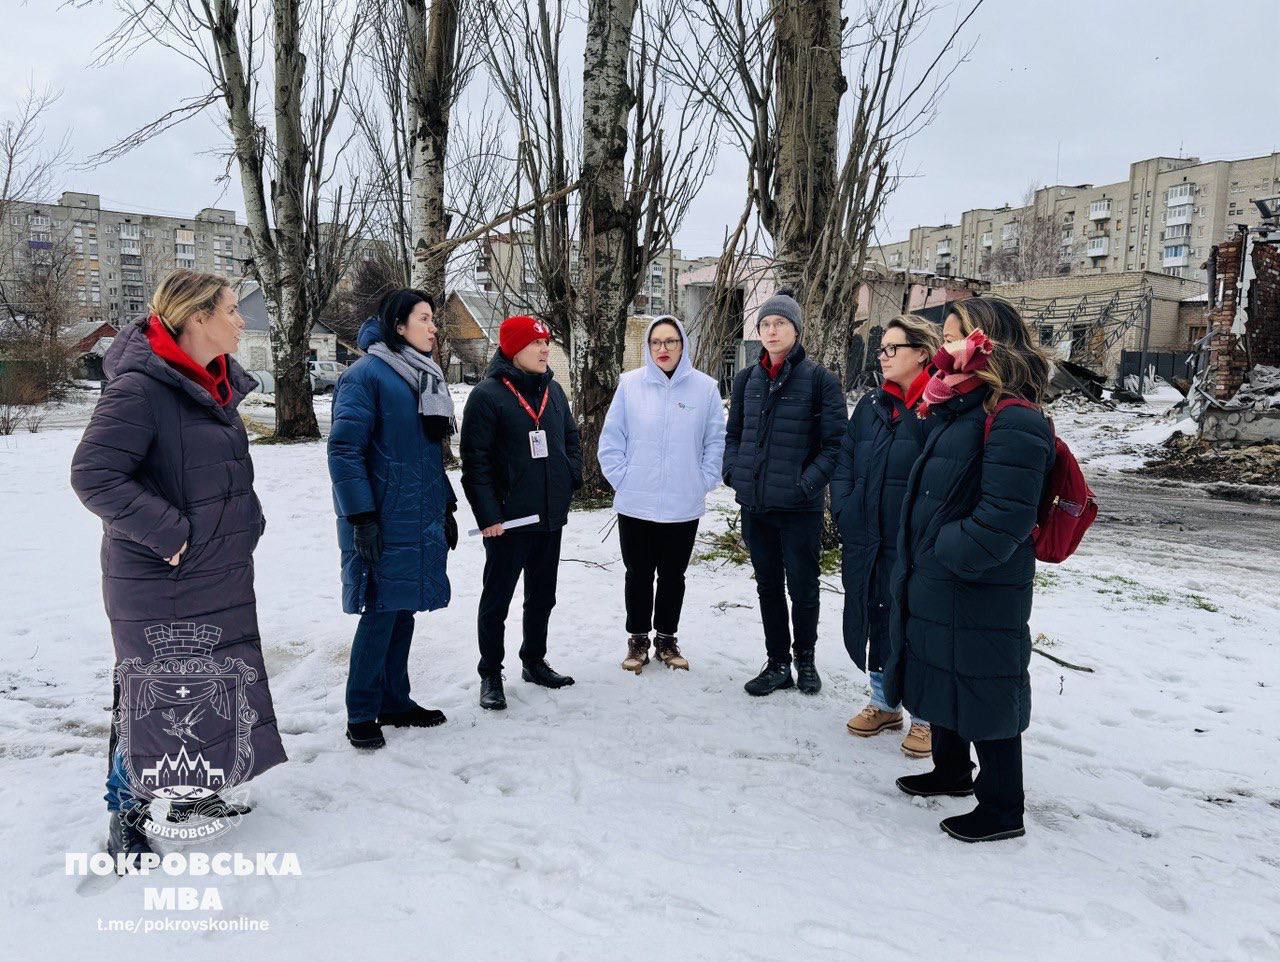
<point>1227,361</point>
<point>1264,304</point>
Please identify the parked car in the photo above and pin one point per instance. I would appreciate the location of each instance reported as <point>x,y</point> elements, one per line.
<point>266,381</point>
<point>324,375</point>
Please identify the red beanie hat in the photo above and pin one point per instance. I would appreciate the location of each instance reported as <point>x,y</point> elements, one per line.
<point>519,332</point>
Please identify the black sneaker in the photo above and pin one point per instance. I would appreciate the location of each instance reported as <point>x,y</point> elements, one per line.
<point>775,676</point>
<point>366,735</point>
<point>212,807</point>
<point>492,696</point>
<point>415,717</point>
<point>126,837</point>
<point>932,784</point>
<point>982,825</point>
<point>807,679</point>
<point>540,673</point>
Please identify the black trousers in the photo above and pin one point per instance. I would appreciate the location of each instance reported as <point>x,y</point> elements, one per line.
<point>536,555</point>
<point>652,548</point>
<point>785,548</point>
<point>998,786</point>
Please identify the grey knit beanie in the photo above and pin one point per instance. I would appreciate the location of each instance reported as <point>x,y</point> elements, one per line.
<point>783,305</point>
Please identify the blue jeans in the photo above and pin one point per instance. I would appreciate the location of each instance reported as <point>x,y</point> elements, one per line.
<point>120,794</point>
<point>878,700</point>
<point>378,679</point>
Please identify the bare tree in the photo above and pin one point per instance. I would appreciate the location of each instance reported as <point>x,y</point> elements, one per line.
<point>303,225</point>
<point>1041,248</point>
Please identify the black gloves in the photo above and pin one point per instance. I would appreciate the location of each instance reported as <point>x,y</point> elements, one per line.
<point>451,527</point>
<point>368,537</point>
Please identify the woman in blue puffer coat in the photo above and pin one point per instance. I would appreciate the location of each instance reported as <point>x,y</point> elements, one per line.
<point>392,416</point>
<point>960,643</point>
<point>881,443</point>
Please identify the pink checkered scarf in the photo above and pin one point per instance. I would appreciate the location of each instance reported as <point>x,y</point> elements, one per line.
<point>956,373</point>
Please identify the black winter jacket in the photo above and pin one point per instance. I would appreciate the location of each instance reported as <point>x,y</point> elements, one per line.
<point>783,435</point>
<point>499,477</point>
<point>876,456</point>
<point>959,639</point>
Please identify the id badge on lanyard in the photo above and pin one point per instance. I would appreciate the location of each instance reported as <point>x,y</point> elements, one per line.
<point>537,437</point>
<point>537,444</point>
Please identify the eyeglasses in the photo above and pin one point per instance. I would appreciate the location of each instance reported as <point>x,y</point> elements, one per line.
<point>670,344</point>
<point>889,350</point>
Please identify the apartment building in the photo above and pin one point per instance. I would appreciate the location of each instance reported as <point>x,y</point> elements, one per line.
<point>505,265</point>
<point>1163,218</point>
<point>116,258</point>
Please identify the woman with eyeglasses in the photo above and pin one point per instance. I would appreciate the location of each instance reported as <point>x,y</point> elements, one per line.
<point>881,443</point>
<point>660,449</point>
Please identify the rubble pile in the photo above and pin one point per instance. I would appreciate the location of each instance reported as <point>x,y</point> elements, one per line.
<point>1260,392</point>
<point>1189,458</point>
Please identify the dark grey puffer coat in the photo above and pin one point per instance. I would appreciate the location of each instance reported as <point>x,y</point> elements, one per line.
<point>783,435</point>
<point>162,465</point>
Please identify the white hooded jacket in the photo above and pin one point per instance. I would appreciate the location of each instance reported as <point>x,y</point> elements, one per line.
<point>663,439</point>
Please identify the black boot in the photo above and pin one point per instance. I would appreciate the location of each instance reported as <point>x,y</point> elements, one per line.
<point>212,807</point>
<point>366,734</point>
<point>775,676</point>
<point>930,784</point>
<point>492,696</point>
<point>415,717</point>
<point>982,825</point>
<point>807,679</point>
<point>540,673</point>
<point>126,837</point>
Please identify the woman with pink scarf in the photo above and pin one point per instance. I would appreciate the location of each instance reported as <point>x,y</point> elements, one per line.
<point>961,593</point>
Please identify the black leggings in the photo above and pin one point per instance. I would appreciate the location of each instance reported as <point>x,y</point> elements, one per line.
<point>649,548</point>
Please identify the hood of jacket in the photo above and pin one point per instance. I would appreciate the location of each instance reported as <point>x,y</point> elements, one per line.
<point>131,351</point>
<point>501,366</point>
<point>370,333</point>
<point>683,368</point>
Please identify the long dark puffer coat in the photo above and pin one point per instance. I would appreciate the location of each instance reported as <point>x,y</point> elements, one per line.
<point>501,480</point>
<point>876,456</point>
<point>960,644</point>
<point>162,465</point>
<point>381,461</point>
<point>783,435</point>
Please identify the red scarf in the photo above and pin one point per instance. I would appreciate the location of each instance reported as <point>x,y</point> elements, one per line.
<point>213,378</point>
<point>773,370</point>
<point>913,394</point>
<point>956,373</point>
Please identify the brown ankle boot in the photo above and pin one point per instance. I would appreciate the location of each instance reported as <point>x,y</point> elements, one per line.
<point>637,653</point>
<point>664,646</point>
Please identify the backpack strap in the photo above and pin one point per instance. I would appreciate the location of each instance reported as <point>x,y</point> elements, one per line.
<point>1007,402</point>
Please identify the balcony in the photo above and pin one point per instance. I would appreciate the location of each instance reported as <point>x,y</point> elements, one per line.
<point>1175,256</point>
<point>1177,196</point>
<point>1098,246</point>
<point>1100,210</point>
<point>944,248</point>
<point>1179,215</point>
<point>986,239</point>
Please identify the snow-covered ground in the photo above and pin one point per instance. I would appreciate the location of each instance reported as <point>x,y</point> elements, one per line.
<point>664,816</point>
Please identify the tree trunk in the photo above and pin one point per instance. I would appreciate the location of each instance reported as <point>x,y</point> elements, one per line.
<point>608,238</point>
<point>809,86</point>
<point>291,334</point>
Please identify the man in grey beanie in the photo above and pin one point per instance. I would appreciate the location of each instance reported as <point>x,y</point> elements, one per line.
<point>787,415</point>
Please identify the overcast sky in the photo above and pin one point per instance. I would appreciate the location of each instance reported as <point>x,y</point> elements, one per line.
<point>1069,91</point>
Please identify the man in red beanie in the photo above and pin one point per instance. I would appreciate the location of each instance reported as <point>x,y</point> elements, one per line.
<point>520,458</point>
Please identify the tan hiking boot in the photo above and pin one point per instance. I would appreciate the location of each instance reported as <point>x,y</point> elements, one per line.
<point>664,646</point>
<point>637,653</point>
<point>872,721</point>
<point>919,741</point>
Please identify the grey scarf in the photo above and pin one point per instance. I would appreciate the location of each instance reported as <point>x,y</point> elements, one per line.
<point>423,374</point>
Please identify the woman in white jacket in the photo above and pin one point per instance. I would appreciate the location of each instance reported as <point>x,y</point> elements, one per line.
<point>660,449</point>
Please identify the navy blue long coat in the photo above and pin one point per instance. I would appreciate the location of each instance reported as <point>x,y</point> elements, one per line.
<point>163,465</point>
<point>382,462</point>
<point>960,644</point>
<point>876,456</point>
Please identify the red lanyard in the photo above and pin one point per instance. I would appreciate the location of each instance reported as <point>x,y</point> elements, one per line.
<point>537,418</point>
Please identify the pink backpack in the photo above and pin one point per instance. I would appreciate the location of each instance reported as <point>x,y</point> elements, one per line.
<point>1068,506</point>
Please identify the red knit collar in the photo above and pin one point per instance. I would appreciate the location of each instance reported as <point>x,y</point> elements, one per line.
<point>773,370</point>
<point>914,392</point>
<point>213,378</point>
